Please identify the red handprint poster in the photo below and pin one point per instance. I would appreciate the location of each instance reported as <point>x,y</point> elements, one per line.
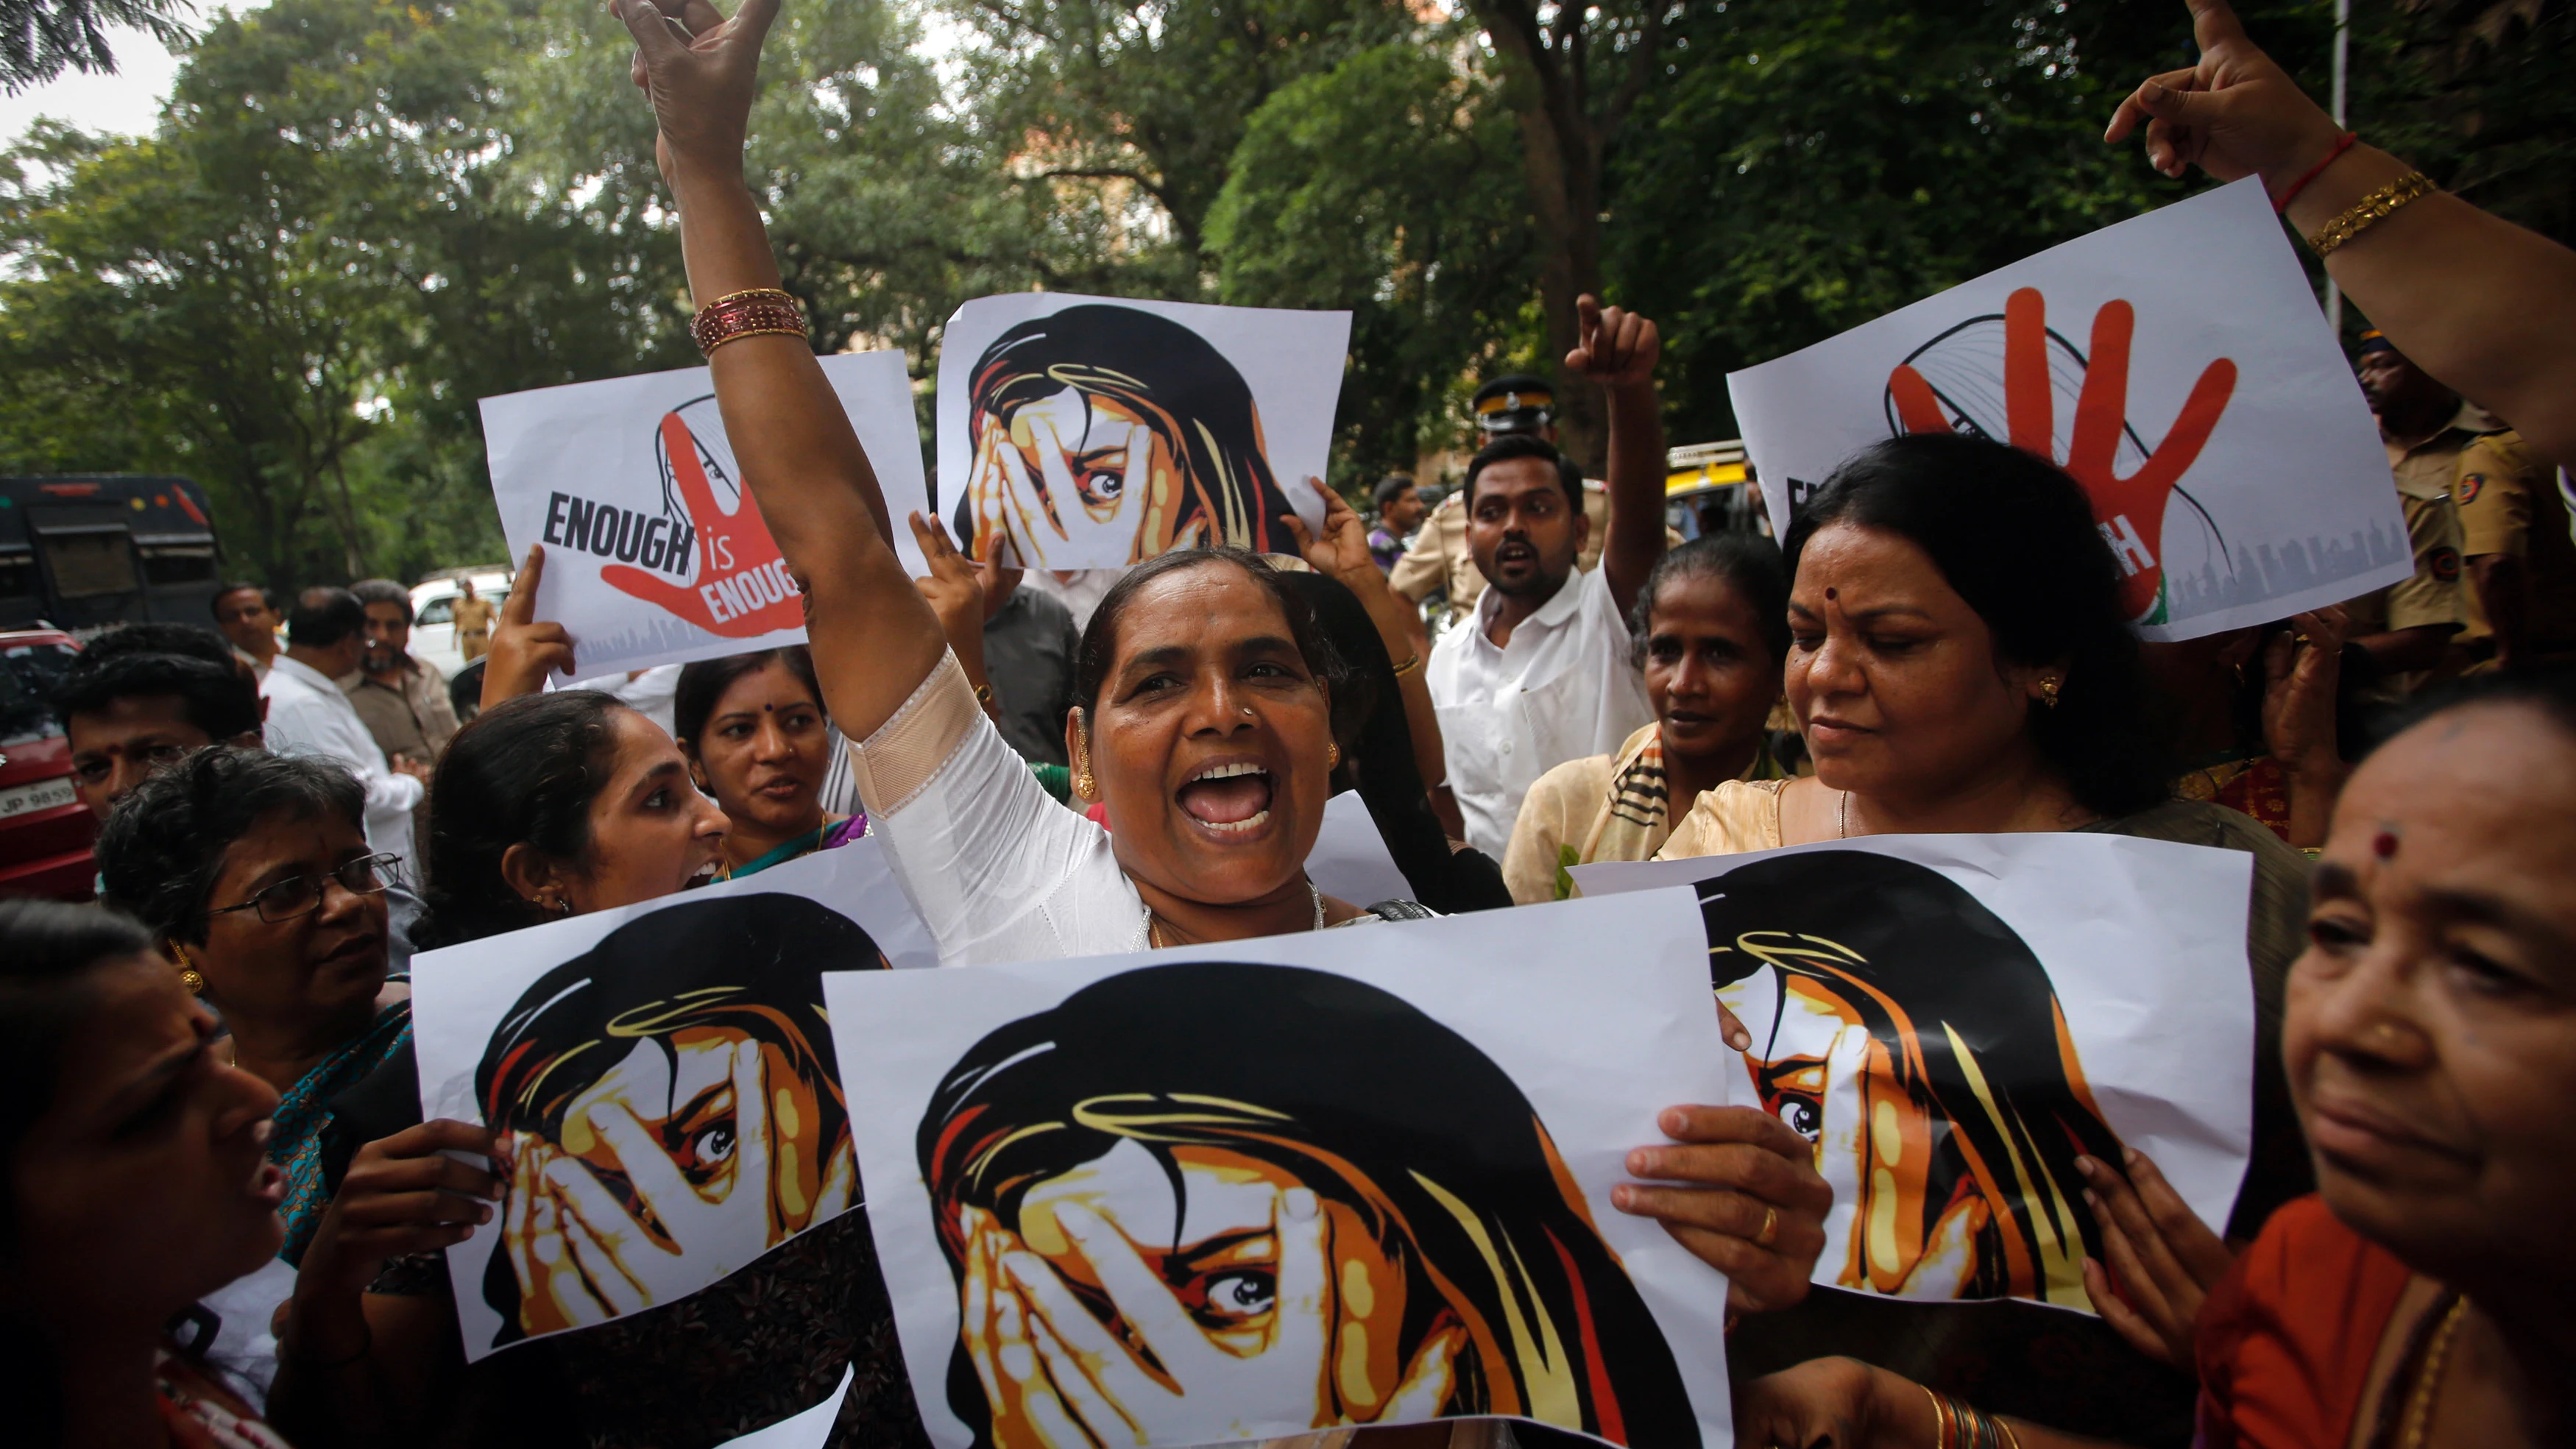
<point>2176,365</point>
<point>656,553</point>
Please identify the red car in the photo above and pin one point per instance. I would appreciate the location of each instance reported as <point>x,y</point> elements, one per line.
<point>45,830</point>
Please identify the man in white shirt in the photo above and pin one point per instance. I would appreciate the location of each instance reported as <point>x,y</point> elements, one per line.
<point>326,637</point>
<point>1544,670</point>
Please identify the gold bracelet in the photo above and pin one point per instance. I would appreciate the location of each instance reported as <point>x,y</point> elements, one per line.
<point>2370,211</point>
<point>753,294</point>
<point>1412,661</point>
<point>1943,1436</point>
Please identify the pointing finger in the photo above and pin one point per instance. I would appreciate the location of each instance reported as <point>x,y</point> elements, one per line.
<point>521,606</point>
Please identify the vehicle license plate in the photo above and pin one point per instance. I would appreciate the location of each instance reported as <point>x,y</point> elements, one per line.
<point>42,795</point>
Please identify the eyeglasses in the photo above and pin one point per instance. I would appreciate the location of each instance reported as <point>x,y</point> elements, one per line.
<point>302,895</point>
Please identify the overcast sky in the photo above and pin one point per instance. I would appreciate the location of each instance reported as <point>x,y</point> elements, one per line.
<point>128,101</point>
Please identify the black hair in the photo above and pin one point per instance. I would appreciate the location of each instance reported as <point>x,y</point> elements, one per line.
<point>525,771</point>
<point>1361,1097</point>
<point>1970,1023</point>
<point>704,682</point>
<point>324,617</point>
<point>381,591</point>
<point>164,844</point>
<point>219,699</point>
<point>1175,380</point>
<point>751,963</point>
<point>2015,537</point>
<point>1748,563</point>
<point>191,641</point>
<point>48,952</point>
<point>1098,656</point>
<point>215,605</point>
<point>1388,487</point>
<point>1525,445</point>
<point>1370,723</point>
<point>2549,689</point>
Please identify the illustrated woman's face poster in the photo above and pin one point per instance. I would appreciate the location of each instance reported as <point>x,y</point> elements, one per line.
<point>1091,432</point>
<point>670,1078</point>
<point>1253,1190</point>
<point>1953,1020</point>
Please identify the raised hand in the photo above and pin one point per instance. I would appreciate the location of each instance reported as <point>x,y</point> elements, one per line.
<point>1751,1203</point>
<point>701,75</point>
<point>525,649</point>
<point>743,589</point>
<point>1341,551</point>
<point>2301,671</point>
<point>2131,510</point>
<point>2234,114</point>
<point>2165,1257</point>
<point>1618,348</point>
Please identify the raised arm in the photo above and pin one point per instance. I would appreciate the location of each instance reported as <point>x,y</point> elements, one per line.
<point>2482,304</point>
<point>1618,351</point>
<point>874,638</point>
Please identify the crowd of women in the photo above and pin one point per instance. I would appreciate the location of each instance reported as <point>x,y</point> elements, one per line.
<point>216,1072</point>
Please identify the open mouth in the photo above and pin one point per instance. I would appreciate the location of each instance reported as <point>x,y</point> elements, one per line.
<point>1232,798</point>
<point>701,875</point>
<point>1511,554</point>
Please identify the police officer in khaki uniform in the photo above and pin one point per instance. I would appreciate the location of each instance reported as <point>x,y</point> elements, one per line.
<point>1438,561</point>
<point>2521,558</point>
<point>2407,626</point>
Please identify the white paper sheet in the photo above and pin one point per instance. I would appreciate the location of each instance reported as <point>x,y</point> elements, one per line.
<point>2288,505</point>
<point>654,555</point>
<point>811,1429</point>
<point>723,969</point>
<point>1350,861</point>
<point>2142,943</point>
<point>1128,427</point>
<point>1373,1047</point>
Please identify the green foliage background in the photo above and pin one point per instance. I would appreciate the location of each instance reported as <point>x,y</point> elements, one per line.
<point>358,217</point>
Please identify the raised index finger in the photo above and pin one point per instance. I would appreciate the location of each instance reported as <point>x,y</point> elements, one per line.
<point>521,606</point>
<point>2214,23</point>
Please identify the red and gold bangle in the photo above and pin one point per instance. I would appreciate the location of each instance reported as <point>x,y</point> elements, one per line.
<point>758,312</point>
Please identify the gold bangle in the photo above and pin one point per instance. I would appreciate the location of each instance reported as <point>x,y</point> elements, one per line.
<point>2370,211</point>
<point>1942,1435</point>
<point>710,349</point>
<point>1412,661</point>
<point>751,294</point>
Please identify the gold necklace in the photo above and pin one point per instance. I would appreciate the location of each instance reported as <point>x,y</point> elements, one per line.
<point>1159,934</point>
<point>2428,1380</point>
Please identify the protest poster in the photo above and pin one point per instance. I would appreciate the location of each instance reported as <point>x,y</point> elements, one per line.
<point>1953,1019</point>
<point>2176,364</point>
<point>672,1078</point>
<point>654,553</point>
<point>1096,432</point>
<point>1353,1176</point>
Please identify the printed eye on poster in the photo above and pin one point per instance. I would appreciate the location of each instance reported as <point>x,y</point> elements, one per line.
<point>2176,364</point>
<point>1096,432</point>
<point>655,553</point>
<point>1248,1190</point>
<point>671,1076</point>
<point>1953,1019</point>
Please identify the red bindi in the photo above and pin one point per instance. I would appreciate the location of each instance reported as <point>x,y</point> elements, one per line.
<point>2384,844</point>
<point>1833,593</point>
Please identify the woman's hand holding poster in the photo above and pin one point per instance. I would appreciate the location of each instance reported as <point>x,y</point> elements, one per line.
<point>1954,1019</point>
<point>655,553</point>
<point>2176,364</point>
<point>1096,432</point>
<point>1240,1191</point>
<point>668,1078</point>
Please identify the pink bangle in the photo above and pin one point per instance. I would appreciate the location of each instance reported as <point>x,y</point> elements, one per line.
<point>2342,144</point>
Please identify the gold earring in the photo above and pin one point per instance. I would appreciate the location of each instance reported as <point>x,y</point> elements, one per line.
<point>2048,689</point>
<point>188,976</point>
<point>1084,785</point>
<point>1332,757</point>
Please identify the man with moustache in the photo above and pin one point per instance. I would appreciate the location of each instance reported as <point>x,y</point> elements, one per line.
<point>1541,671</point>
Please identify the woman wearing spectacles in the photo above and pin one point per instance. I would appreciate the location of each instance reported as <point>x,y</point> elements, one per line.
<point>252,871</point>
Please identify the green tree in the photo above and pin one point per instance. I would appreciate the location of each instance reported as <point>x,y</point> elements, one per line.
<point>1390,185</point>
<point>40,39</point>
